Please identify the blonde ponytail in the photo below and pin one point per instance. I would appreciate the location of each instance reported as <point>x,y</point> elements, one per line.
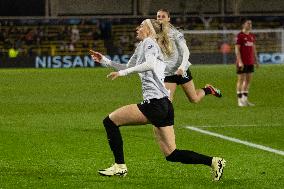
<point>162,37</point>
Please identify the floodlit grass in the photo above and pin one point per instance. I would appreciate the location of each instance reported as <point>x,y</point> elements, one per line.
<point>51,133</point>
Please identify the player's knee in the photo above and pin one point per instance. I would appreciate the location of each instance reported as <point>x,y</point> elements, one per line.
<point>108,122</point>
<point>173,157</point>
<point>193,100</point>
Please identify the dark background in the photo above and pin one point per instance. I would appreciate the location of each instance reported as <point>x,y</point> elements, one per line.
<point>22,8</point>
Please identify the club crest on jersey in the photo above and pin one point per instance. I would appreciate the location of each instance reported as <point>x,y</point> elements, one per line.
<point>150,46</point>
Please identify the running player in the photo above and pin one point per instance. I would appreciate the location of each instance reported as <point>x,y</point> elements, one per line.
<point>156,107</point>
<point>177,72</point>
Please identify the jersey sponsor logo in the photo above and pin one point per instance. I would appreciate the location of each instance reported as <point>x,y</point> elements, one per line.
<point>150,46</point>
<point>249,43</point>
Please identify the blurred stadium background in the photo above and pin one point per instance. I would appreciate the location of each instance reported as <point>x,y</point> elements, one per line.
<point>47,33</point>
<point>51,133</point>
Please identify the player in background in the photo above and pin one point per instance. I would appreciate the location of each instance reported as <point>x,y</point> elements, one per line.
<point>177,72</point>
<point>246,55</point>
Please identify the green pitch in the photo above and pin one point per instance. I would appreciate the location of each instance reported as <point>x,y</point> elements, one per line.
<point>51,133</point>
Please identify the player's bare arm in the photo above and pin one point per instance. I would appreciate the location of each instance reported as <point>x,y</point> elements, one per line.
<point>238,54</point>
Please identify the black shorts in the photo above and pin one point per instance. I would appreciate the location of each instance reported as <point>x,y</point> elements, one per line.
<point>246,69</point>
<point>178,79</point>
<point>159,112</point>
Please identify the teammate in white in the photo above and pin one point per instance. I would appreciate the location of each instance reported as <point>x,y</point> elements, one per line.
<point>177,70</point>
<point>156,107</point>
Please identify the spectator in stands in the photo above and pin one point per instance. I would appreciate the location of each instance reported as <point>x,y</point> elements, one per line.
<point>96,35</point>
<point>106,29</point>
<point>75,34</point>
<point>13,52</point>
<point>85,44</point>
<point>19,42</point>
<point>225,47</point>
<point>61,33</point>
<point>124,39</point>
<point>63,46</point>
<point>2,36</point>
<point>29,37</point>
<point>246,55</point>
<point>206,21</point>
<point>177,71</point>
<point>195,42</point>
<point>71,47</point>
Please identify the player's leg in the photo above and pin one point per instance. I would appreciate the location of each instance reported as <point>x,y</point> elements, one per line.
<point>240,84</point>
<point>172,87</point>
<point>166,139</point>
<point>247,81</point>
<point>192,94</point>
<point>125,115</point>
<point>128,115</point>
<point>195,95</point>
<point>246,86</point>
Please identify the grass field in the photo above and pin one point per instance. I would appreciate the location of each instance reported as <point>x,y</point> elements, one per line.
<point>51,133</point>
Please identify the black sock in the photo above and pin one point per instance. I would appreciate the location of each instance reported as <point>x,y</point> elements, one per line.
<point>114,140</point>
<point>189,157</point>
<point>207,90</point>
<point>239,95</point>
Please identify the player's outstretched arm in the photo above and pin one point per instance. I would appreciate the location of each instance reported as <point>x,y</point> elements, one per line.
<point>98,57</point>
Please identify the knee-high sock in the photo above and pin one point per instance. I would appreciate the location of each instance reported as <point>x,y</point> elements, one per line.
<point>189,157</point>
<point>114,140</point>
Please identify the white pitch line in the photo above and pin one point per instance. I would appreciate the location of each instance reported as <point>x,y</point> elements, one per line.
<point>215,126</point>
<point>237,141</point>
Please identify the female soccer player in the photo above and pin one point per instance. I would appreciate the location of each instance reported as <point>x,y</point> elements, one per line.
<point>177,72</point>
<point>156,108</point>
<point>246,58</point>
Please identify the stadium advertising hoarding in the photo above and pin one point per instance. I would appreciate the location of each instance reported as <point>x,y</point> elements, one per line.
<point>86,61</point>
<point>56,61</point>
<point>271,58</point>
<point>63,61</point>
<point>72,61</point>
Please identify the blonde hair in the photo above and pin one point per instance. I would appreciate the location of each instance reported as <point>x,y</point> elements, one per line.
<point>160,32</point>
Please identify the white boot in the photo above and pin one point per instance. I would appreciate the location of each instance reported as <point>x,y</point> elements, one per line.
<point>115,169</point>
<point>246,102</point>
<point>217,166</point>
<point>241,103</point>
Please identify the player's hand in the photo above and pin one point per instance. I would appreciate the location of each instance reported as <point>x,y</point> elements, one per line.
<point>241,65</point>
<point>179,72</point>
<point>113,75</point>
<point>96,56</point>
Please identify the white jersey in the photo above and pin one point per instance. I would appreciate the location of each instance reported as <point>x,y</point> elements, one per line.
<point>148,61</point>
<point>153,80</point>
<point>174,61</point>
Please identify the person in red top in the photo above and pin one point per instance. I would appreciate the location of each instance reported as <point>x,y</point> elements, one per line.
<point>246,59</point>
